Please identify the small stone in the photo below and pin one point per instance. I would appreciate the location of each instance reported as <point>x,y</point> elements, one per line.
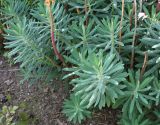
<point>4,99</point>
<point>1,62</point>
<point>8,82</point>
<point>46,90</point>
<point>60,123</point>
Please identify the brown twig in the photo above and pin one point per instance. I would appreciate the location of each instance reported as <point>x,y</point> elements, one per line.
<point>144,65</point>
<point>134,36</point>
<point>131,16</point>
<point>121,23</point>
<point>86,11</point>
<point>141,4</point>
<point>10,70</point>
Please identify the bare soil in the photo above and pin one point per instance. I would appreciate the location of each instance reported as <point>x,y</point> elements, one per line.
<point>44,102</point>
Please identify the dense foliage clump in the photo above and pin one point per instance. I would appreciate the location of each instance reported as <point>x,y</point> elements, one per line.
<point>108,49</point>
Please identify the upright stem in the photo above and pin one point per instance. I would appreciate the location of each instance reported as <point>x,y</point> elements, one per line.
<point>53,37</point>
<point>144,65</point>
<point>131,16</point>
<point>134,36</point>
<point>121,23</point>
<point>141,4</point>
<point>86,11</point>
<point>112,37</point>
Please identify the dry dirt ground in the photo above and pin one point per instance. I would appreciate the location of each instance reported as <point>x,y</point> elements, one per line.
<point>44,102</point>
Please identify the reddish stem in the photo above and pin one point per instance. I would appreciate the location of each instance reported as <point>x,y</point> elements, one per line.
<point>52,36</point>
<point>158,6</point>
<point>55,48</point>
<point>86,11</point>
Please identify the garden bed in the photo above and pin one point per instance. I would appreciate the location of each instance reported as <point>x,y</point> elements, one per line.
<point>44,102</point>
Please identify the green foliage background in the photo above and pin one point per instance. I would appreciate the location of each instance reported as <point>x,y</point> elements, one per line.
<point>98,59</point>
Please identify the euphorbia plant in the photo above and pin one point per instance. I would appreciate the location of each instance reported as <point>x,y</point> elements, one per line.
<point>99,77</point>
<point>100,41</point>
<point>136,94</point>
